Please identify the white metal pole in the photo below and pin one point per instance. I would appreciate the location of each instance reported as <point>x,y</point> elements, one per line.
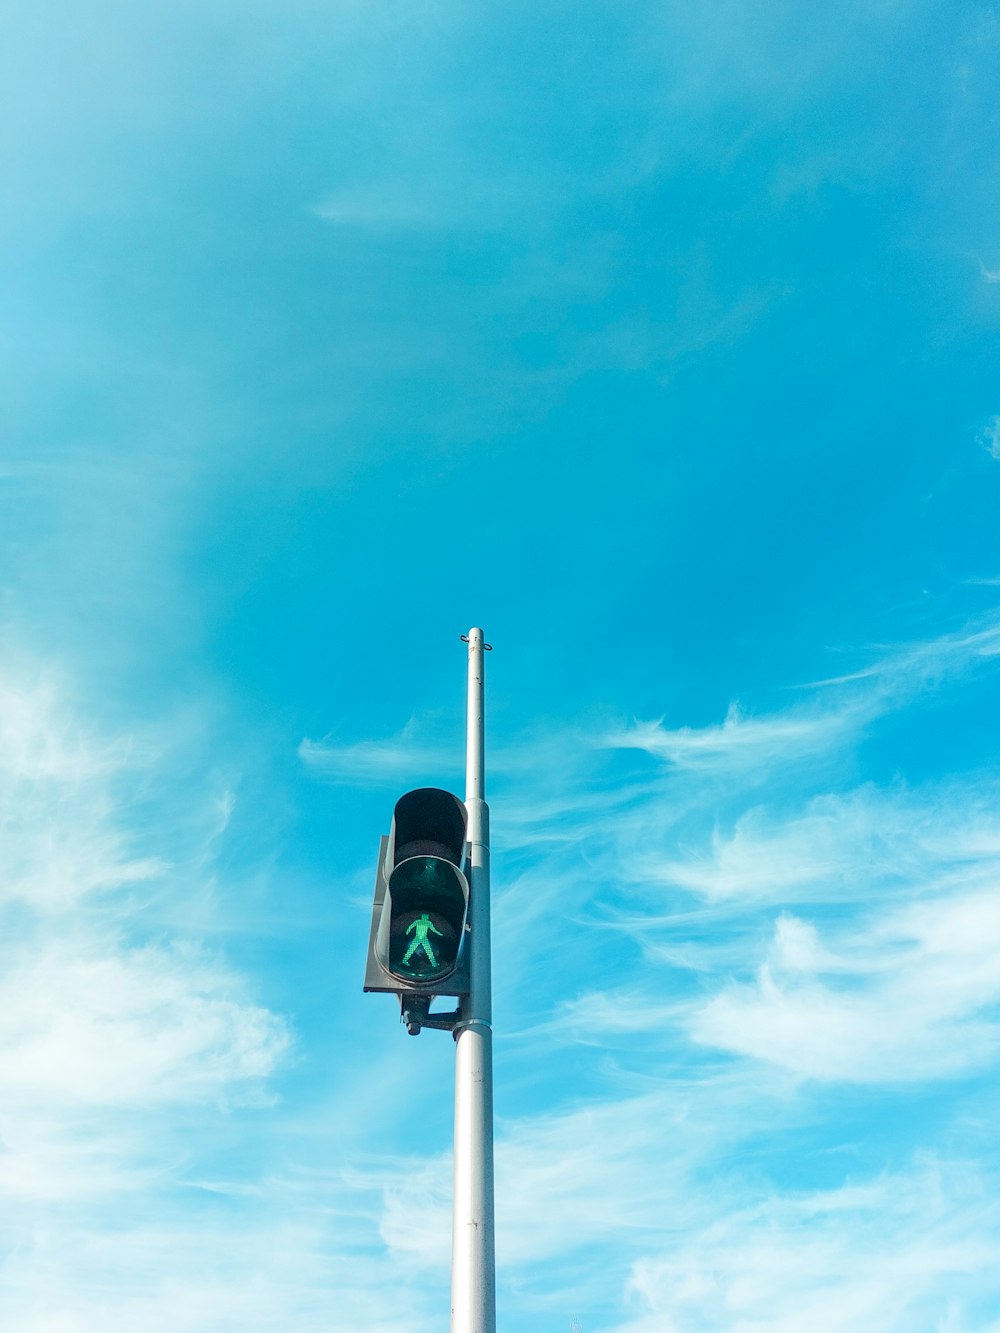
<point>473,1265</point>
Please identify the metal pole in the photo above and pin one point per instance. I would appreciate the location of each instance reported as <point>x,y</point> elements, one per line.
<point>473,1266</point>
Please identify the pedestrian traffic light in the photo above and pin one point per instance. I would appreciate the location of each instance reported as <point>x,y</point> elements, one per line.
<point>419,917</point>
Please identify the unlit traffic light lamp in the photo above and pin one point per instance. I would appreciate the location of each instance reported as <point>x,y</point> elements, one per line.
<point>417,945</point>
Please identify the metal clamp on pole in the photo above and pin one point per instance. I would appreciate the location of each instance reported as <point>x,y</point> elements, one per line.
<point>463,1023</point>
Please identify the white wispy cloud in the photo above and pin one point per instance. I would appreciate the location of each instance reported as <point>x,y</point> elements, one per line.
<point>417,754</point>
<point>93,1015</point>
<point>207,1270</point>
<point>675,1177</point>
<point>842,846</point>
<point>904,1008</point>
<point>835,714</point>
<point>382,205</point>
<point>377,761</point>
<point>910,1249</point>
<point>432,200</point>
<point>742,741</point>
<point>86,1020</point>
<point>855,927</point>
<point>990,435</point>
<point>890,976</point>
<point>602,1169</point>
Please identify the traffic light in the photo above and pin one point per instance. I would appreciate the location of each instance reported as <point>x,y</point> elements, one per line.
<point>419,918</point>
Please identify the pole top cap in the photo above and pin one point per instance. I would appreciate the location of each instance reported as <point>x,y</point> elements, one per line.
<point>475,634</point>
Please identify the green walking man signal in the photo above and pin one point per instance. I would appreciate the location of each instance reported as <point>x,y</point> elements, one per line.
<point>423,925</point>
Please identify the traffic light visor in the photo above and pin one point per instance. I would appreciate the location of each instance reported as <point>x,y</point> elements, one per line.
<point>428,821</point>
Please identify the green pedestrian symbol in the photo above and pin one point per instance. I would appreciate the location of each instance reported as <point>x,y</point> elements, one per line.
<point>422,927</point>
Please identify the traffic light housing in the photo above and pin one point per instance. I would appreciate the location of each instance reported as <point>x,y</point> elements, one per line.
<point>417,943</point>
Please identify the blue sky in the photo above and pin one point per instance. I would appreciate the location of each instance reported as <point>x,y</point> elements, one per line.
<point>661,341</point>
